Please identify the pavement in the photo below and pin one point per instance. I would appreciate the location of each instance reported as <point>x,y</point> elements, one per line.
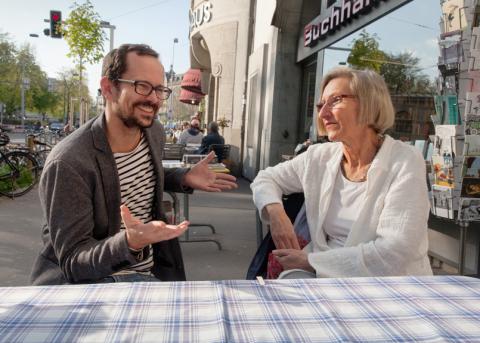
<point>232,214</point>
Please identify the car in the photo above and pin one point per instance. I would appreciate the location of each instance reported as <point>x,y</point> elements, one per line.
<point>56,127</point>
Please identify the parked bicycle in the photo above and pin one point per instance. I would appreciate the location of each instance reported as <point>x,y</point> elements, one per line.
<point>39,150</point>
<point>19,170</point>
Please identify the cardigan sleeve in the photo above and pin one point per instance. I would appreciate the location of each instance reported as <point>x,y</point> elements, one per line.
<point>284,178</point>
<point>66,200</point>
<point>401,243</point>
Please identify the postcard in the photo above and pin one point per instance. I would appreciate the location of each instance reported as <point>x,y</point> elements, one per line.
<point>472,145</point>
<point>469,209</point>
<point>442,202</point>
<point>471,178</point>
<point>454,15</point>
<point>442,168</point>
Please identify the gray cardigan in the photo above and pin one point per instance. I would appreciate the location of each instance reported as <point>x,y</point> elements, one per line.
<point>80,198</point>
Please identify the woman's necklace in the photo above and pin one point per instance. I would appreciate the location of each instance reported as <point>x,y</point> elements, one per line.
<point>363,175</point>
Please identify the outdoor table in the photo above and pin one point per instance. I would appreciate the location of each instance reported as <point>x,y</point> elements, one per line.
<point>386,309</point>
<point>217,167</point>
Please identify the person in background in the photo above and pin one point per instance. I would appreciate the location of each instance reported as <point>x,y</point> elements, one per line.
<point>102,186</point>
<point>213,137</point>
<point>192,135</point>
<point>176,134</point>
<point>185,126</point>
<point>366,200</point>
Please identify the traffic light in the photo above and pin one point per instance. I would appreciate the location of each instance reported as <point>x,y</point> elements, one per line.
<point>55,22</point>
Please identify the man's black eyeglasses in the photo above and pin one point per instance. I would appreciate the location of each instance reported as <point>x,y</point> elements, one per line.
<point>146,88</point>
<point>333,101</point>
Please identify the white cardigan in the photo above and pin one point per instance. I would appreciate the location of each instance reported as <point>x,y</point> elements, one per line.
<point>389,236</point>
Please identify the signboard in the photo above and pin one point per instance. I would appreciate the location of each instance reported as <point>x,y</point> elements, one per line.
<point>339,20</point>
<point>200,15</point>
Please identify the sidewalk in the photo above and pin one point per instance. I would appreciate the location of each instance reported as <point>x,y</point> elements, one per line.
<point>232,213</point>
<point>233,216</point>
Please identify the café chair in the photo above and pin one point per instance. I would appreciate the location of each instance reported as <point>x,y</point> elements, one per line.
<point>173,151</point>
<point>171,208</point>
<point>292,204</point>
<point>221,150</point>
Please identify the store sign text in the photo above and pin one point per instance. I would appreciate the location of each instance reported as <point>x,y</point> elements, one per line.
<point>200,15</point>
<point>339,15</point>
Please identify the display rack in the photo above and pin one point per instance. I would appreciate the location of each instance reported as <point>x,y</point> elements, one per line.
<point>455,172</point>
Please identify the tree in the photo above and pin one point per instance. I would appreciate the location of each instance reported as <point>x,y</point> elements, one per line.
<point>366,53</point>
<point>403,75</point>
<point>400,71</point>
<point>45,101</point>
<point>8,71</point>
<point>84,35</point>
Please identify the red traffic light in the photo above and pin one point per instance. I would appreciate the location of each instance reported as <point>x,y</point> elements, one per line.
<point>55,22</point>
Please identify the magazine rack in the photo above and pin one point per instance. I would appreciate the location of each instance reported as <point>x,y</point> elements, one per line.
<point>455,162</point>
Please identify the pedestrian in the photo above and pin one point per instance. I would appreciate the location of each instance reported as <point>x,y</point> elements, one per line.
<point>101,188</point>
<point>366,198</point>
<point>213,137</point>
<point>192,135</point>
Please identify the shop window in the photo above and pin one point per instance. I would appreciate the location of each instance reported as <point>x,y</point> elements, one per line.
<point>308,101</point>
<point>403,126</point>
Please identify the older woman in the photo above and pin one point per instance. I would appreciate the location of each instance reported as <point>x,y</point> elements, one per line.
<point>365,193</point>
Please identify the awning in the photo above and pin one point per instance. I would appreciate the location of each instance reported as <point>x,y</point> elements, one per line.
<point>192,81</point>
<point>189,97</point>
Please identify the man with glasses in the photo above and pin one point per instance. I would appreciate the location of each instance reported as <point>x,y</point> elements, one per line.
<point>101,188</point>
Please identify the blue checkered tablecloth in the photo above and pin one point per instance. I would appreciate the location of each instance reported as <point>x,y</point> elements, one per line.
<point>395,309</point>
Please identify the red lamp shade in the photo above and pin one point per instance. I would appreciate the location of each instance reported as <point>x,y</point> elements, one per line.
<point>192,81</point>
<point>189,97</point>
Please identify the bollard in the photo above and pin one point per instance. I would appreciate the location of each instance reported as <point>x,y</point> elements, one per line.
<point>31,143</point>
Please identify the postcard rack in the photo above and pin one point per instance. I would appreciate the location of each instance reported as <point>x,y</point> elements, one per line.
<point>455,161</point>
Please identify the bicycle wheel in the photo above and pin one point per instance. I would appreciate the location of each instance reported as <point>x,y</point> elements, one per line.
<point>18,173</point>
<point>41,156</point>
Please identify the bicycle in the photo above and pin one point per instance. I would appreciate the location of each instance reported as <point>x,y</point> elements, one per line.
<point>40,150</point>
<point>19,170</point>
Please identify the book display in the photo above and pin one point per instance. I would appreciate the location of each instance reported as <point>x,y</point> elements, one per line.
<point>456,153</point>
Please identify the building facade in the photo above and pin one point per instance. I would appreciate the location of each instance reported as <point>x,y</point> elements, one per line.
<point>262,65</point>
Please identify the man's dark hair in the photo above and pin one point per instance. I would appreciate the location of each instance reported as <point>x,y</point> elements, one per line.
<point>115,62</point>
<point>213,127</point>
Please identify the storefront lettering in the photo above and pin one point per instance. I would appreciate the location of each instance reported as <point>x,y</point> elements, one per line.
<point>200,15</point>
<point>339,15</point>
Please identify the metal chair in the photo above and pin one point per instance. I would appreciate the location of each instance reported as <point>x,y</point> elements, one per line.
<point>173,151</point>
<point>221,150</point>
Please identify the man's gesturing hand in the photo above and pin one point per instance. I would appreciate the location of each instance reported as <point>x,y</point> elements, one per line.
<point>140,235</point>
<point>200,177</point>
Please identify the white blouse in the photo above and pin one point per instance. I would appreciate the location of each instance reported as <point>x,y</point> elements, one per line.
<point>389,235</point>
<point>347,198</point>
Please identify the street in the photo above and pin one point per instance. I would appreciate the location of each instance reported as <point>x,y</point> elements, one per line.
<point>232,213</point>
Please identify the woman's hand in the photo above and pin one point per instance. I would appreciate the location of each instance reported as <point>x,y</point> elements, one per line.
<point>293,259</point>
<point>281,227</point>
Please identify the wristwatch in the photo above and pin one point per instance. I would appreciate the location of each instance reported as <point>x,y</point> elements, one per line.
<point>137,254</point>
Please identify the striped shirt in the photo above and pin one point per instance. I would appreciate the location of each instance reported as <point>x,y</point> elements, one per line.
<point>137,186</point>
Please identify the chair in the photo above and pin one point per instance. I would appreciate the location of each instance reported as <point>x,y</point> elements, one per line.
<point>173,151</point>
<point>221,150</point>
<point>258,266</point>
<point>171,208</point>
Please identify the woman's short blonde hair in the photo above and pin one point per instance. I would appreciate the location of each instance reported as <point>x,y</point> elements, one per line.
<point>375,104</point>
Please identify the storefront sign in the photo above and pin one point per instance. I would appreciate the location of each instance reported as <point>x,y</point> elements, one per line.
<point>200,15</point>
<point>339,15</point>
<point>341,19</point>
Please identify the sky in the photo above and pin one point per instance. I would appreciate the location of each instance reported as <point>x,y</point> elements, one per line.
<point>157,23</point>
<point>153,22</point>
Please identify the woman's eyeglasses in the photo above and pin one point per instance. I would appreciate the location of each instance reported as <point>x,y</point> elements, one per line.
<point>333,101</point>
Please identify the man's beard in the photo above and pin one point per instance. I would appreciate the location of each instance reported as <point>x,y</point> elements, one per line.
<point>131,121</point>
